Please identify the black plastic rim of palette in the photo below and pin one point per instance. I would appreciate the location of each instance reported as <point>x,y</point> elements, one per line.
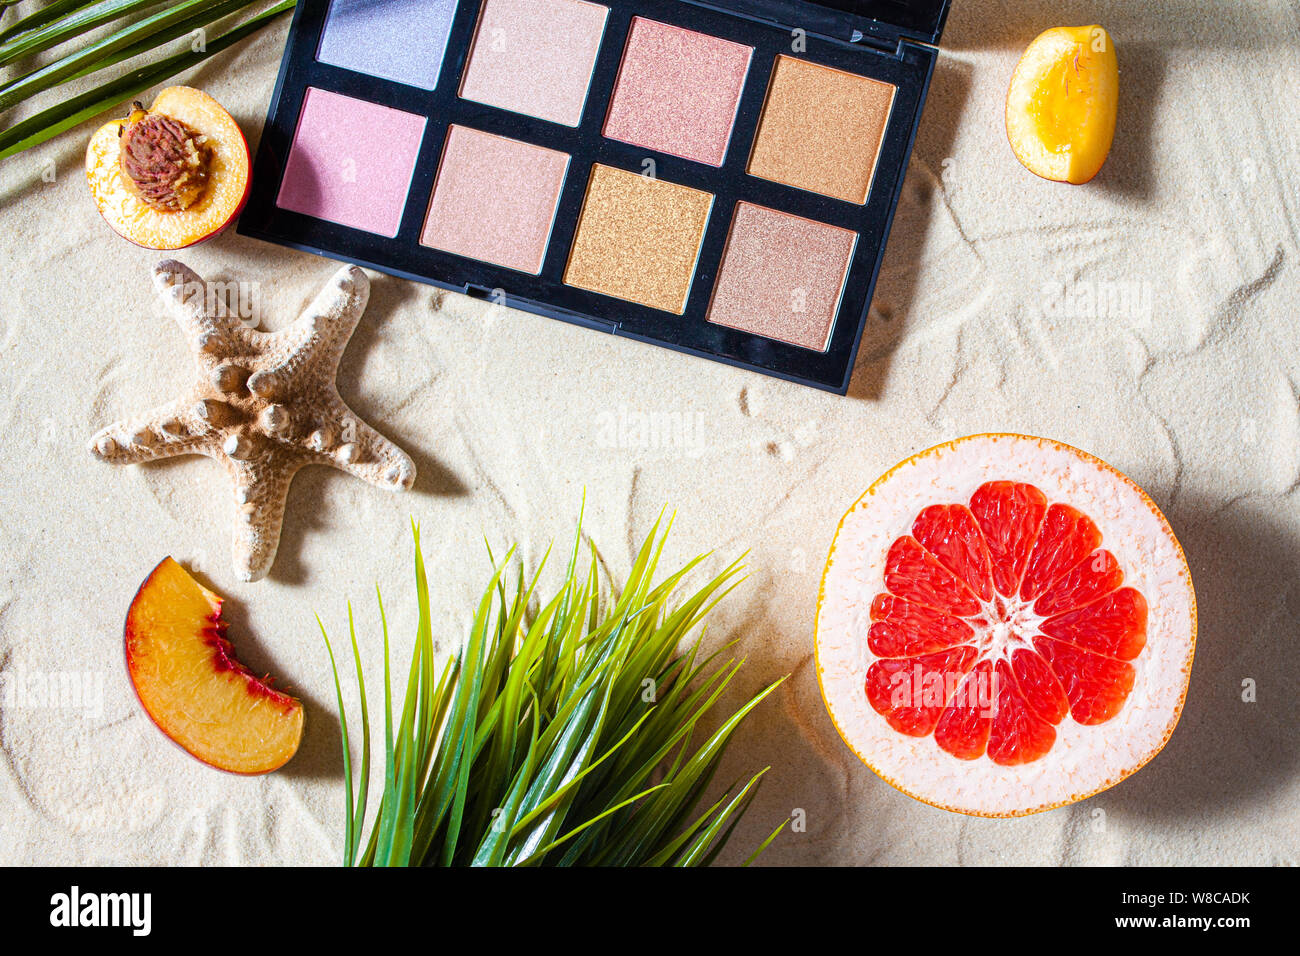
<point>848,19</point>
<point>907,65</point>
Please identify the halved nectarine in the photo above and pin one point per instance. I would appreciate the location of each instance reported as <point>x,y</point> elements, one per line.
<point>190,684</point>
<point>171,175</point>
<point>1063,103</point>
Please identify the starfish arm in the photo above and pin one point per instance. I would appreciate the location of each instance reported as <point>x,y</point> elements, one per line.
<point>185,297</point>
<point>261,493</point>
<point>336,311</point>
<point>166,432</point>
<point>320,335</point>
<point>368,455</point>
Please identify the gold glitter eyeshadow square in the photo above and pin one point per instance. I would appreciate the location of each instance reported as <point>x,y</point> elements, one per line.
<point>638,239</point>
<point>782,276</point>
<point>821,129</point>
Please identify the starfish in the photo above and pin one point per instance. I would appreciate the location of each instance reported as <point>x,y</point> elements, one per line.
<point>262,404</point>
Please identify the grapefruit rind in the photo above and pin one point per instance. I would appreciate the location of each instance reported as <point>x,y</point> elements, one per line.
<point>1085,760</point>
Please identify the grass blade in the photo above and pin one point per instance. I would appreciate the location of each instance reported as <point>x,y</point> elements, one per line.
<point>40,17</point>
<point>21,88</point>
<point>759,850</point>
<point>363,785</point>
<point>349,834</point>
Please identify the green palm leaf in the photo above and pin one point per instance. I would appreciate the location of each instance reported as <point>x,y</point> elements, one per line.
<point>61,22</point>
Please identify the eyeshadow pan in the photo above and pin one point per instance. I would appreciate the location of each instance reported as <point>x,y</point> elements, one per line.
<point>400,40</point>
<point>351,162</point>
<point>638,239</point>
<point>677,91</point>
<point>535,57</point>
<point>782,276</point>
<point>821,129</point>
<point>495,199</point>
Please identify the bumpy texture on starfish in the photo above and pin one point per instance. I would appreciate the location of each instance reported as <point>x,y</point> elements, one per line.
<point>263,404</point>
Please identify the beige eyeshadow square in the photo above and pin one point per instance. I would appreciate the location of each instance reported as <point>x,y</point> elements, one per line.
<point>638,239</point>
<point>495,199</point>
<point>535,57</point>
<point>782,276</point>
<point>821,129</point>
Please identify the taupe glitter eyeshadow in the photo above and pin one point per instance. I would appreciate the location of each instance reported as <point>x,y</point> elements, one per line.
<point>638,239</point>
<point>821,129</point>
<point>782,276</point>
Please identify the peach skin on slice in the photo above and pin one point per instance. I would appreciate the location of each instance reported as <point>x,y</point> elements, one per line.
<point>190,684</point>
<point>1063,103</point>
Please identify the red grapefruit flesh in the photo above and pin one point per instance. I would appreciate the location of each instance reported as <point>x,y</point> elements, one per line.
<point>1006,625</point>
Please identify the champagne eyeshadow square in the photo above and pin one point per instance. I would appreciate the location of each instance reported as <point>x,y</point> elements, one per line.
<point>400,40</point>
<point>351,162</point>
<point>495,199</point>
<point>535,57</point>
<point>782,276</point>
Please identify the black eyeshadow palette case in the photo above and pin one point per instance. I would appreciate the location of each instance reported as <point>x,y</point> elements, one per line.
<point>891,41</point>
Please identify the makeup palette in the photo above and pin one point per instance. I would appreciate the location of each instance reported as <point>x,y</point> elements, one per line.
<point>717,178</point>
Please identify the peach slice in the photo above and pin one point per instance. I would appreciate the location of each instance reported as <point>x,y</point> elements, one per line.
<point>190,684</point>
<point>173,175</point>
<point>1063,102</point>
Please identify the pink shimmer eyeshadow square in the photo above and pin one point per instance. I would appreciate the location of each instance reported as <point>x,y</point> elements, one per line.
<point>495,199</point>
<point>351,162</point>
<point>678,91</point>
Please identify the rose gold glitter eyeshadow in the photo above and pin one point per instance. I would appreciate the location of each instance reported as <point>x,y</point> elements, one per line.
<point>821,129</point>
<point>677,91</point>
<point>535,57</point>
<point>495,199</point>
<point>638,239</point>
<point>782,276</point>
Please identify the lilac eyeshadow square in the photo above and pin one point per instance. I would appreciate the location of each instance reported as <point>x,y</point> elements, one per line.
<point>400,40</point>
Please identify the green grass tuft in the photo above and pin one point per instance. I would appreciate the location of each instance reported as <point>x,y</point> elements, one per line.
<point>569,730</point>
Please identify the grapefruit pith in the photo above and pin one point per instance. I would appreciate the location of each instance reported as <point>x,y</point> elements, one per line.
<point>1006,624</point>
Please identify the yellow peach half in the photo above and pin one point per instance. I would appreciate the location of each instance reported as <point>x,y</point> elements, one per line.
<point>1063,103</point>
<point>228,175</point>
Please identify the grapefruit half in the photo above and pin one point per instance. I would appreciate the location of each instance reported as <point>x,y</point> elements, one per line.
<point>1006,624</point>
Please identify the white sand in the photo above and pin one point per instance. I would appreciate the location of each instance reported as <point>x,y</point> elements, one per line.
<point>510,416</point>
